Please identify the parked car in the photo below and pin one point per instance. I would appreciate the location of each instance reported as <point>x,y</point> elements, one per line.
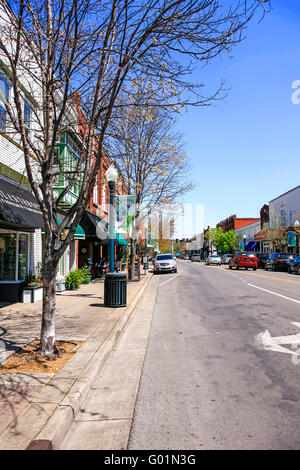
<point>278,261</point>
<point>243,259</point>
<point>294,266</point>
<point>226,258</point>
<point>165,263</point>
<point>195,258</point>
<point>185,257</point>
<point>213,259</point>
<point>261,259</point>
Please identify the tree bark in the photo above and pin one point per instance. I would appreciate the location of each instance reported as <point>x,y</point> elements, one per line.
<point>48,346</point>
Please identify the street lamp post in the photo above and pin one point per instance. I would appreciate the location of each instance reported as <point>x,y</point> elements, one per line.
<point>297,224</point>
<point>115,288</point>
<point>146,249</point>
<point>111,177</point>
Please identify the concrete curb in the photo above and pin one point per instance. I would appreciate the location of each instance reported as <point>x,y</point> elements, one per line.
<point>51,413</point>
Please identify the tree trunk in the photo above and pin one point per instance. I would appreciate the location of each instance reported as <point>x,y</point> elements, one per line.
<point>48,346</point>
<point>132,258</point>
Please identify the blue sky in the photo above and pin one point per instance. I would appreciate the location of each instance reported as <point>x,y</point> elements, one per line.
<point>245,150</point>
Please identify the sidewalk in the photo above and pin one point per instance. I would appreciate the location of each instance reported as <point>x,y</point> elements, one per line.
<point>29,401</point>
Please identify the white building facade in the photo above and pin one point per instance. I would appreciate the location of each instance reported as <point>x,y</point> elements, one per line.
<point>284,210</point>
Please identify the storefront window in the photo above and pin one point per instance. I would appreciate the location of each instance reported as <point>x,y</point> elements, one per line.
<point>22,256</point>
<point>8,256</point>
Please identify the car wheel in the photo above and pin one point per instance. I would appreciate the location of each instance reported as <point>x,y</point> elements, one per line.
<point>236,266</point>
<point>266,269</point>
<point>289,270</point>
<point>273,267</point>
<point>254,269</point>
<point>246,269</point>
<point>175,270</point>
<point>299,270</point>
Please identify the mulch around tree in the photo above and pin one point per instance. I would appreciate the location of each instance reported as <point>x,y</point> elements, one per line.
<point>28,359</point>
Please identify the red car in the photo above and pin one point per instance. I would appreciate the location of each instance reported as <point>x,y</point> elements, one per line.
<point>243,259</point>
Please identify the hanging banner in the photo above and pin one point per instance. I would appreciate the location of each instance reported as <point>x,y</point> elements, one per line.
<point>291,239</point>
<point>125,212</point>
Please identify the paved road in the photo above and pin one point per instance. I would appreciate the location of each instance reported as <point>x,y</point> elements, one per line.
<point>206,383</point>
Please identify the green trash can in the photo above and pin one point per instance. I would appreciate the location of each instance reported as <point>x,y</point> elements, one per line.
<point>115,290</point>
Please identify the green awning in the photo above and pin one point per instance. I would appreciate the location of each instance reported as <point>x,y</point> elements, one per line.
<point>121,240</point>
<point>79,232</point>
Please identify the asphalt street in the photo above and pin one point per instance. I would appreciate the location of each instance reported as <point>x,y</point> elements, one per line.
<point>207,382</point>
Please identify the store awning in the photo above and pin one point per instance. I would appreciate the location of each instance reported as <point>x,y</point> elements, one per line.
<point>18,207</point>
<point>250,246</point>
<point>79,232</point>
<point>95,227</point>
<point>121,240</point>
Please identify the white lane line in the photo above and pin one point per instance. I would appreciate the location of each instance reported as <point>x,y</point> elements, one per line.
<point>274,293</point>
<point>174,277</point>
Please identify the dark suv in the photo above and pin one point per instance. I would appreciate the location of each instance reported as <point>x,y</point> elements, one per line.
<point>261,259</point>
<point>278,261</point>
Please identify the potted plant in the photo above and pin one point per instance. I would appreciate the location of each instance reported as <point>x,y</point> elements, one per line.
<point>73,279</point>
<point>86,274</point>
<point>33,288</point>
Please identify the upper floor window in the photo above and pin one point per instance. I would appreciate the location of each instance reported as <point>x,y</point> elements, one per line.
<point>4,96</point>
<point>27,117</point>
<point>95,192</point>
<point>104,205</point>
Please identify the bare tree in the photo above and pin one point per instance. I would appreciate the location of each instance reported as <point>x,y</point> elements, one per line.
<point>150,156</point>
<point>53,50</point>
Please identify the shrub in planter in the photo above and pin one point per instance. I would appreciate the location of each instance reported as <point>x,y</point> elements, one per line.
<point>86,274</point>
<point>32,281</point>
<point>73,279</point>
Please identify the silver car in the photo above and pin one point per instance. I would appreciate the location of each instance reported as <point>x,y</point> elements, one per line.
<point>226,258</point>
<point>214,259</point>
<point>165,263</point>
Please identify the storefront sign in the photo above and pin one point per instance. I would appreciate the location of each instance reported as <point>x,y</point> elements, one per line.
<point>64,234</point>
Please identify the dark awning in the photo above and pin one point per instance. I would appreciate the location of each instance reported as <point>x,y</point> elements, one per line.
<point>95,227</point>
<point>18,207</point>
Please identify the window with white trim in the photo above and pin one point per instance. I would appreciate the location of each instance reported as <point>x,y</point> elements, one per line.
<point>4,96</point>
<point>27,117</point>
<point>95,192</point>
<point>104,205</point>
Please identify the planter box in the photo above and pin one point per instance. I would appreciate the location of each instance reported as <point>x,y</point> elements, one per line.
<point>87,280</point>
<point>11,291</point>
<point>32,294</point>
<point>60,285</point>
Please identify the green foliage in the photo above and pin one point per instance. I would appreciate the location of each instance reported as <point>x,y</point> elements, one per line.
<point>32,281</point>
<point>225,242</point>
<point>29,278</point>
<point>74,279</point>
<point>77,277</point>
<point>85,270</point>
<point>229,241</point>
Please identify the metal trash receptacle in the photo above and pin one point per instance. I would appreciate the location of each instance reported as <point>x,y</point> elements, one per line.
<point>115,290</point>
